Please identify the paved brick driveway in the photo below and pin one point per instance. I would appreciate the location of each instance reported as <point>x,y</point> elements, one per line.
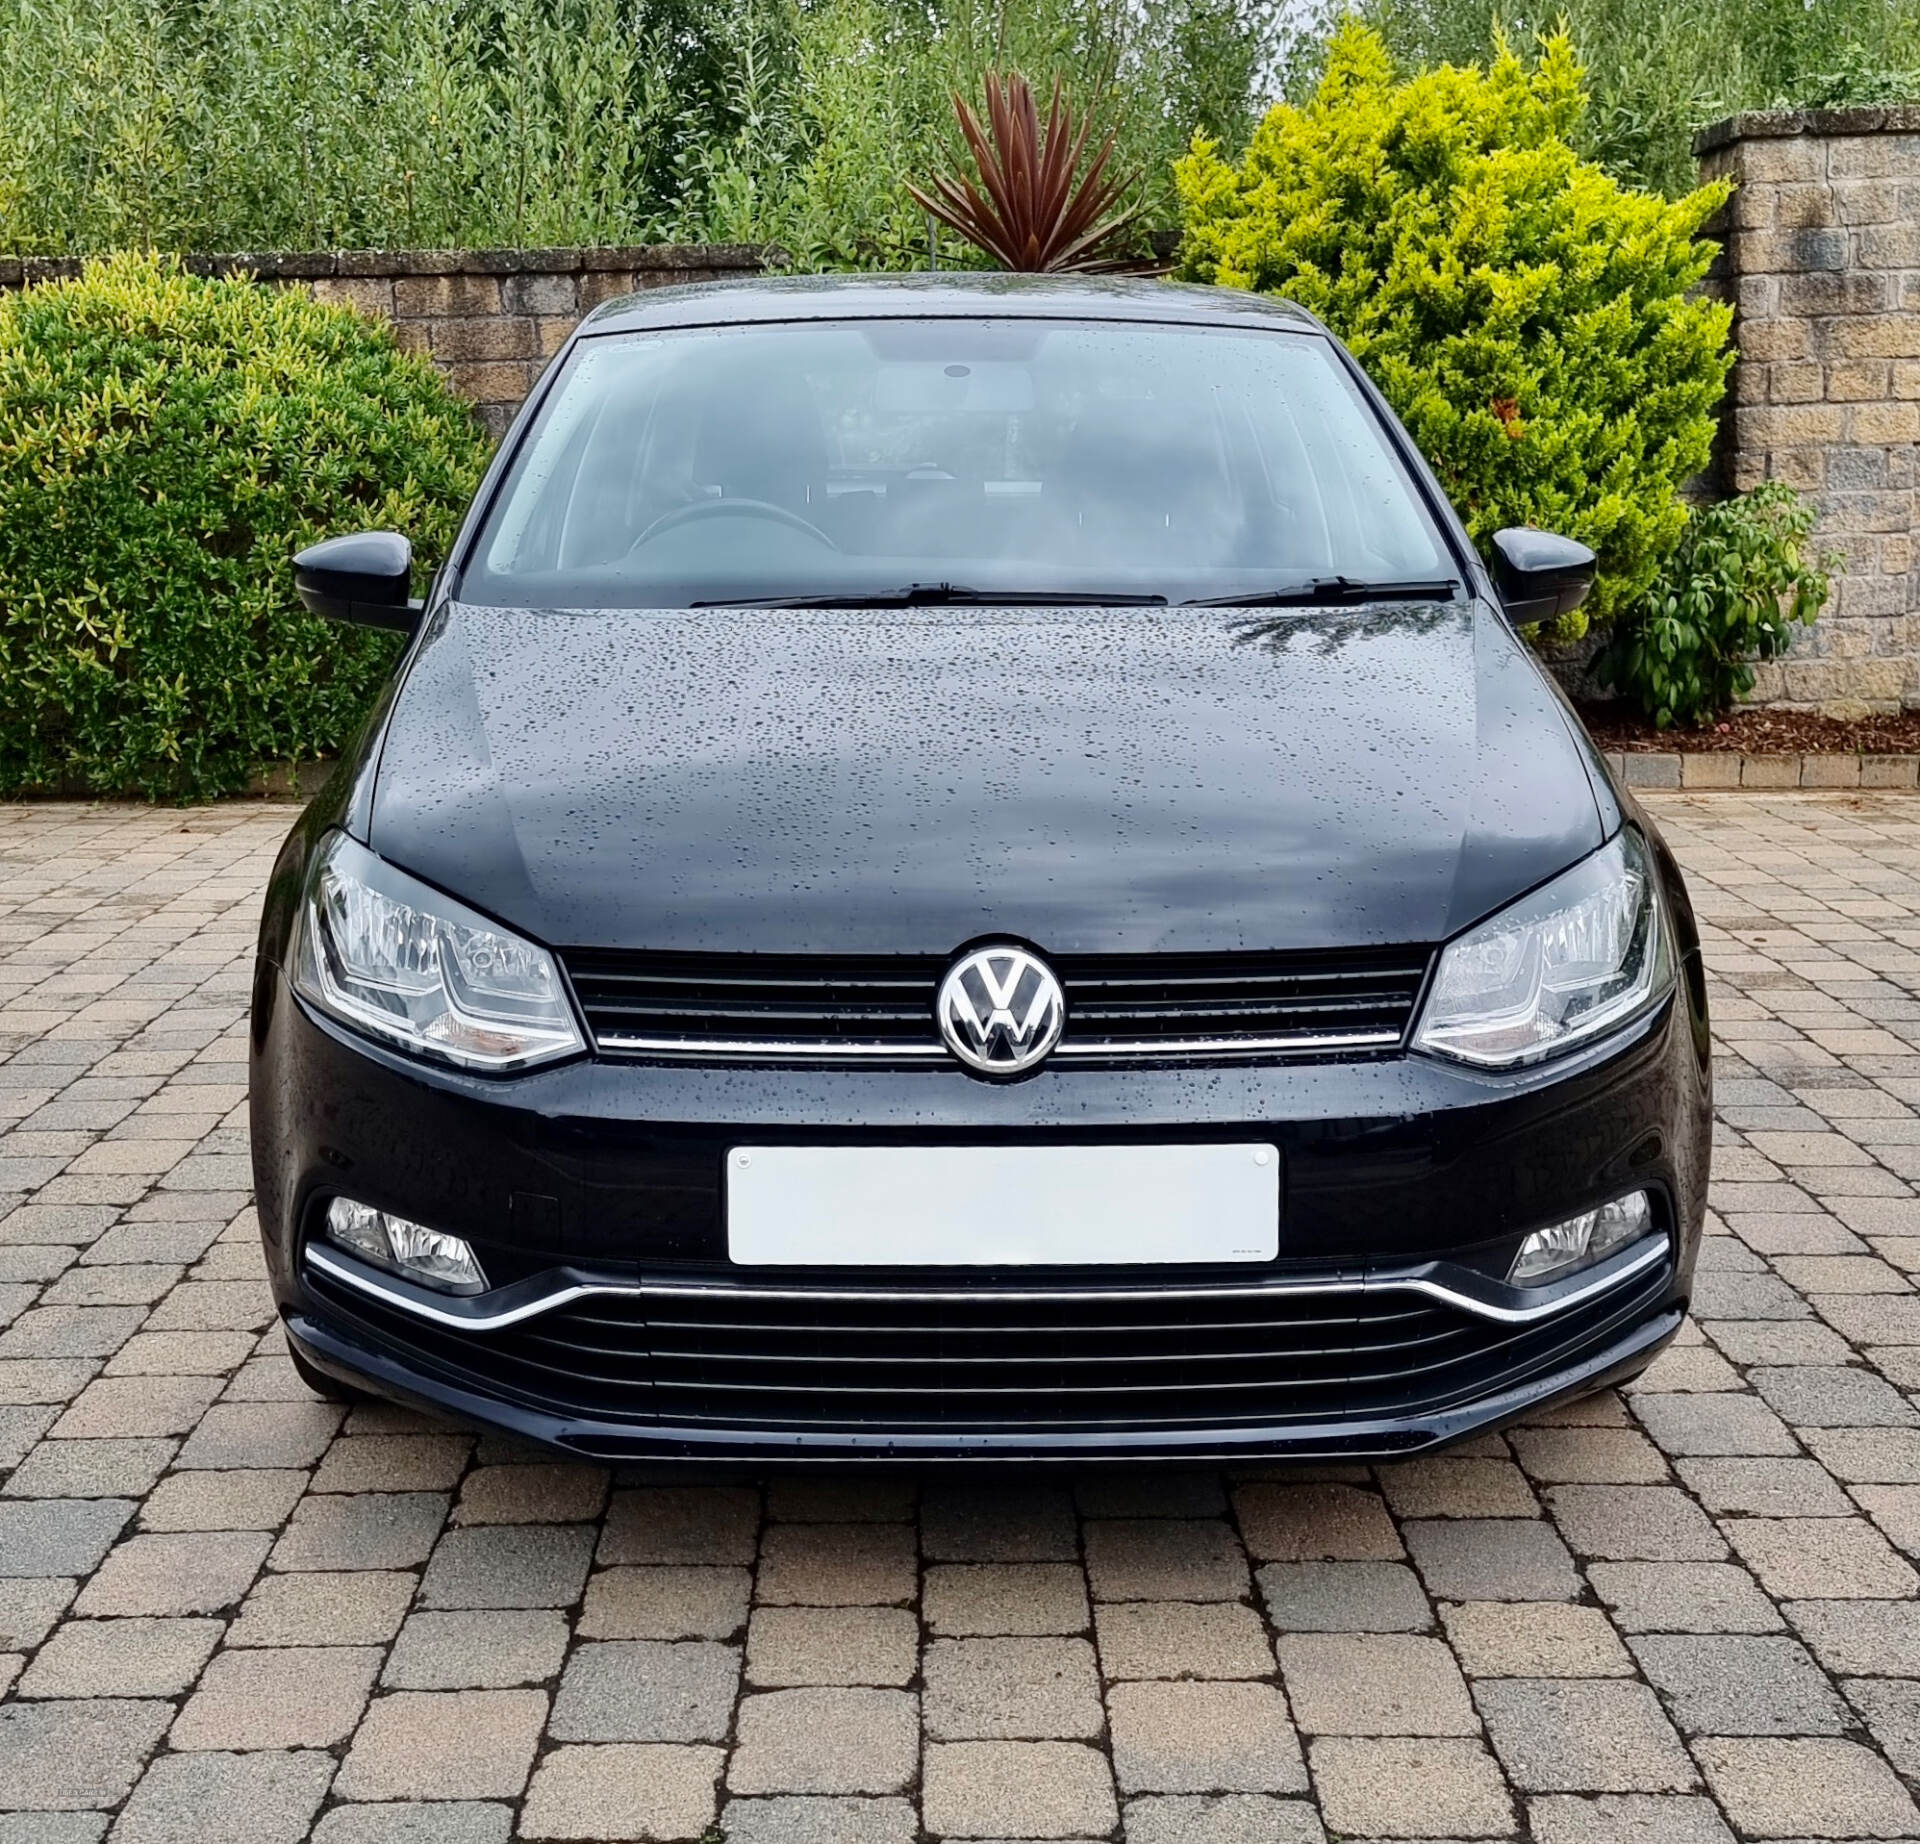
<point>227,1613</point>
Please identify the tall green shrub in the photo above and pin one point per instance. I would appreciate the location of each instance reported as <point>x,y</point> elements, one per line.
<point>1531,319</point>
<point>344,124</point>
<point>166,444</point>
<point>1660,68</point>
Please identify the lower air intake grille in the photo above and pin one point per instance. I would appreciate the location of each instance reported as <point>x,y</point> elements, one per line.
<point>1178,1007</point>
<point>730,1358</point>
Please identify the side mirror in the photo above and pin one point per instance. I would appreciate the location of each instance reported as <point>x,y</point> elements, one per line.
<point>1540,575</point>
<point>363,578</point>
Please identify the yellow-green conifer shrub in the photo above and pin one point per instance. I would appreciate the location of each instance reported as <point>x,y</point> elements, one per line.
<point>1532,320</point>
<point>166,444</point>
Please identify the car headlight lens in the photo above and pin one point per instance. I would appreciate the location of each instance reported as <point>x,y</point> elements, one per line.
<point>381,951</point>
<point>1559,967</point>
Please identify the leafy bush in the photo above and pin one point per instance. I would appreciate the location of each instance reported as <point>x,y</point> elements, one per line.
<point>1661,68</point>
<point>337,124</point>
<point>1857,79</point>
<point>1531,319</point>
<point>1732,591</point>
<point>166,444</point>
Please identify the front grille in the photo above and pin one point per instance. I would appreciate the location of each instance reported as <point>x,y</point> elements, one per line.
<point>780,1008</point>
<point>1163,1003</point>
<point>1065,1360</point>
<point>720,1004</point>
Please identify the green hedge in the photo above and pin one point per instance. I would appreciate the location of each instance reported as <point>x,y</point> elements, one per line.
<point>1532,320</point>
<point>166,445</point>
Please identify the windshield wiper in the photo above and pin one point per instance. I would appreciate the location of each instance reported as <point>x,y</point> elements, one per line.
<point>1330,589</point>
<point>934,595</point>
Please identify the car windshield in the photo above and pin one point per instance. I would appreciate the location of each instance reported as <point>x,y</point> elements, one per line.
<point>953,460</point>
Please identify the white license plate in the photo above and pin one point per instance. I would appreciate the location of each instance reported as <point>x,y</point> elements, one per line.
<point>992,1206</point>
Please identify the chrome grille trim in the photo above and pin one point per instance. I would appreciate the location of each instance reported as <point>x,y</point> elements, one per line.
<point>822,1050</point>
<point>477,1318</point>
<point>813,1050</point>
<point>1233,1046</point>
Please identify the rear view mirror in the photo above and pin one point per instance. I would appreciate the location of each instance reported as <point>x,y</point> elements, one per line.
<point>364,578</point>
<point>1540,575</point>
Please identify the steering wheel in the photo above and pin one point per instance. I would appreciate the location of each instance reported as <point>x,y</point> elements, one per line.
<point>721,508</point>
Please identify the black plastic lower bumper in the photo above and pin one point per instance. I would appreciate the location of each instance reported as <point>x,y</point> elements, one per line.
<point>334,1349</point>
<point>1369,1362</point>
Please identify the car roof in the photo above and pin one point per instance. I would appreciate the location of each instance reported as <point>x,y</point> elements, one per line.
<point>953,293</point>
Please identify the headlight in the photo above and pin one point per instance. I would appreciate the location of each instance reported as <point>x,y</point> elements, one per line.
<point>1584,1241</point>
<point>429,1256</point>
<point>1559,967</point>
<point>380,951</point>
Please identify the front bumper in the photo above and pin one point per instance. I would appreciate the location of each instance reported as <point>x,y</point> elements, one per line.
<point>1380,1372</point>
<point>1381,1330</point>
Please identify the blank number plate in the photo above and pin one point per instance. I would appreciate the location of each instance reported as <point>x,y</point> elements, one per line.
<point>993,1206</point>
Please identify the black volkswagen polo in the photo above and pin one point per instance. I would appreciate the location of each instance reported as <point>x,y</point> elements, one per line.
<point>965,868</point>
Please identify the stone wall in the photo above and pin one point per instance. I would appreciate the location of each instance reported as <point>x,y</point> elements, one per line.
<point>1822,262</point>
<point>489,319</point>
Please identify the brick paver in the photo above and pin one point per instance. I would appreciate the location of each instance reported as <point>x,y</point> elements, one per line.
<point>1691,1612</point>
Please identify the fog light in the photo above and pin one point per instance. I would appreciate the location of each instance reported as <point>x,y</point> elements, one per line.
<point>1580,1241</point>
<point>421,1254</point>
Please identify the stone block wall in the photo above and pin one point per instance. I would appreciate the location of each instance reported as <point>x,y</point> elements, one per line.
<point>489,319</point>
<point>1822,263</point>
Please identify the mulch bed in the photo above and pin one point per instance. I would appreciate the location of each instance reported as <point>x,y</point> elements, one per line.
<point>1758,733</point>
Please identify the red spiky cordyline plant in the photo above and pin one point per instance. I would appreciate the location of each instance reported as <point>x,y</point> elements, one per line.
<point>1034,210</point>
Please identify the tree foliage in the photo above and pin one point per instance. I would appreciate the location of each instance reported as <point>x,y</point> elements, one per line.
<point>1533,321</point>
<point>215,125</point>
<point>1662,68</point>
<point>166,445</point>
